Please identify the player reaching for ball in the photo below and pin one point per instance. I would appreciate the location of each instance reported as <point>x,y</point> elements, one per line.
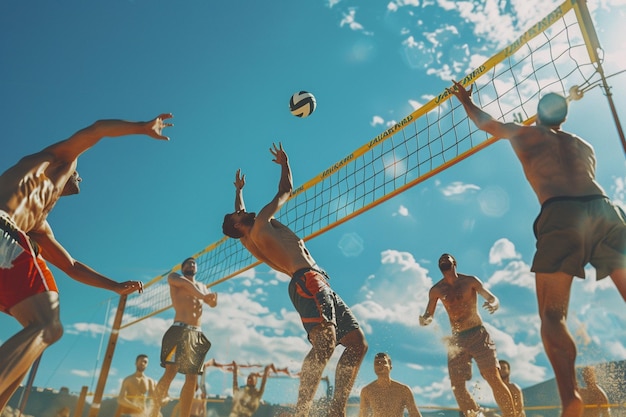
<point>28,292</point>
<point>325,317</point>
<point>577,224</point>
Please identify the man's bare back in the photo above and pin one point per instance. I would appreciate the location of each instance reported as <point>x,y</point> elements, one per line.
<point>556,163</point>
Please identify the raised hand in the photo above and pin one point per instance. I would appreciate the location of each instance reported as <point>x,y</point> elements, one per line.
<point>240,180</point>
<point>460,92</point>
<point>280,157</point>
<point>157,125</point>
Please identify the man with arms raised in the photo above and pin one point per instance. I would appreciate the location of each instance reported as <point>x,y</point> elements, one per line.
<point>184,345</point>
<point>247,399</point>
<point>577,224</point>
<point>386,397</point>
<point>326,318</point>
<point>28,292</point>
<point>470,340</point>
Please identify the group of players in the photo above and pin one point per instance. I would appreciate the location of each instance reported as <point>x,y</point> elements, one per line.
<point>577,225</point>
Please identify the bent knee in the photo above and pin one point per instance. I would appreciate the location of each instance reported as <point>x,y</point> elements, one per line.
<point>355,340</point>
<point>52,332</point>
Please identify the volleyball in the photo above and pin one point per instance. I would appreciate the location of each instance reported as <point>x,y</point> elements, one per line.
<point>302,104</point>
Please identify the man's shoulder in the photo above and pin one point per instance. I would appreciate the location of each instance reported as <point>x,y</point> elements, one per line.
<point>399,385</point>
<point>369,386</point>
<point>470,280</point>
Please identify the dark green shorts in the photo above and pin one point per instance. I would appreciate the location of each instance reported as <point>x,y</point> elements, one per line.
<point>574,231</point>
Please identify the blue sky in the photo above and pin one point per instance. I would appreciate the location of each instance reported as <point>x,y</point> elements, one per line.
<point>226,71</point>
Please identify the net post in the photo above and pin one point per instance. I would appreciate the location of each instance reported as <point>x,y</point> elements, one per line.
<point>108,358</point>
<point>593,46</point>
<point>78,411</point>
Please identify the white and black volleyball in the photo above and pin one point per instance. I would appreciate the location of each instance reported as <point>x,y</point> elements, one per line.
<point>302,104</point>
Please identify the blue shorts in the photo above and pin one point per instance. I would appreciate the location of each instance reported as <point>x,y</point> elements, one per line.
<point>316,303</point>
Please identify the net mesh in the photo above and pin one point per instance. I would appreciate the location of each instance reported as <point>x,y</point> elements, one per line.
<point>551,56</point>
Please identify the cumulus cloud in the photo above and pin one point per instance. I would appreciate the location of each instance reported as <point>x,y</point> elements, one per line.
<point>515,273</point>
<point>397,290</point>
<point>502,249</point>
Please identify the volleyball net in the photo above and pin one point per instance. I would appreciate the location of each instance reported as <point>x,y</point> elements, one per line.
<point>557,54</point>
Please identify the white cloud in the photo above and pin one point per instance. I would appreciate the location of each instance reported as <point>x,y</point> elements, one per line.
<point>377,120</point>
<point>350,21</point>
<point>516,273</point>
<point>521,356</point>
<point>458,188</point>
<point>502,249</point>
<point>398,289</point>
<point>82,373</point>
<point>403,211</point>
<point>92,329</point>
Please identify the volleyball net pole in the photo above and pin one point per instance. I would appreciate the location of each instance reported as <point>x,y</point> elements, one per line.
<point>593,46</point>
<point>108,358</point>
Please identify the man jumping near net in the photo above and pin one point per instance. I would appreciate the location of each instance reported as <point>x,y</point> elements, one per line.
<point>577,224</point>
<point>28,292</point>
<point>326,318</point>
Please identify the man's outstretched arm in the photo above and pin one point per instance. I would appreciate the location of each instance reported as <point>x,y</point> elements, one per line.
<point>285,185</point>
<point>240,182</point>
<point>482,119</point>
<point>491,303</point>
<point>52,251</point>
<point>71,148</point>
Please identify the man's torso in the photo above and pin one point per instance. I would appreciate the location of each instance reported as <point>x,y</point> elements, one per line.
<point>459,300</point>
<point>188,309</point>
<point>386,400</point>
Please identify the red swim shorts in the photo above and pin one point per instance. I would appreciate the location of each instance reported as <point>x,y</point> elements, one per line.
<point>22,272</point>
